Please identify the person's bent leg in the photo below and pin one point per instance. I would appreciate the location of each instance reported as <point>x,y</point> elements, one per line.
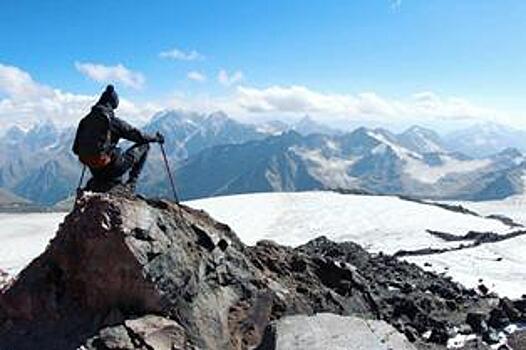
<point>106,178</point>
<point>137,155</point>
<point>103,180</point>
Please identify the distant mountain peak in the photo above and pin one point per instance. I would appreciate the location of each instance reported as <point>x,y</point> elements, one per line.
<point>306,119</point>
<point>511,151</point>
<point>43,126</point>
<point>422,140</point>
<point>218,115</point>
<point>175,114</point>
<point>486,139</point>
<point>307,125</point>
<point>15,134</point>
<point>418,129</point>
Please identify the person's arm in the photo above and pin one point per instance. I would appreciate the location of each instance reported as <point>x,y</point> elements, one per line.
<point>131,133</point>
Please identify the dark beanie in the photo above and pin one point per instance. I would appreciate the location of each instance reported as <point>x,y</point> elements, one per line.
<point>109,97</point>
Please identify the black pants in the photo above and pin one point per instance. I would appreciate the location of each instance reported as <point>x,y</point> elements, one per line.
<point>132,159</point>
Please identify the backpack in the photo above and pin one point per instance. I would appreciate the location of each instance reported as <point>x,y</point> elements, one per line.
<point>94,139</point>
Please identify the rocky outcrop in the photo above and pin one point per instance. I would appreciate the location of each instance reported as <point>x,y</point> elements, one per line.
<point>131,273</point>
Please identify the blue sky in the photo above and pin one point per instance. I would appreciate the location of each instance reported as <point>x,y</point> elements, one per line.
<point>371,58</point>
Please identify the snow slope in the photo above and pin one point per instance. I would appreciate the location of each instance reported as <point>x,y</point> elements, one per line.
<point>499,265</point>
<point>24,236</point>
<point>513,207</point>
<point>379,223</point>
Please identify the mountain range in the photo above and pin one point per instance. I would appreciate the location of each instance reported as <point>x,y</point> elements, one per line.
<point>371,160</point>
<point>214,155</point>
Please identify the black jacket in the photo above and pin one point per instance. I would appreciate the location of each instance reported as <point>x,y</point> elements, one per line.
<point>119,129</point>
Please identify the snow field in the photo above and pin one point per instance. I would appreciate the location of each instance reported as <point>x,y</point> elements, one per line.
<point>24,236</point>
<point>379,223</point>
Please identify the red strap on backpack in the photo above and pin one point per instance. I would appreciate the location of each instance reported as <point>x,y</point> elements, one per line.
<point>96,162</point>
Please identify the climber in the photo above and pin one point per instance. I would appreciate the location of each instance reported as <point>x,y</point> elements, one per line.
<point>96,141</point>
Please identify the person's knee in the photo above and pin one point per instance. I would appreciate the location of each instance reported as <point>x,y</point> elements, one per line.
<point>140,151</point>
<point>145,147</point>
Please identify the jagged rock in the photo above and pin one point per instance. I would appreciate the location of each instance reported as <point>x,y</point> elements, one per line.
<point>509,309</point>
<point>329,331</point>
<point>483,289</point>
<point>478,322</point>
<point>148,332</point>
<point>134,256</point>
<point>116,337</point>
<point>518,340</point>
<point>439,336</point>
<point>117,259</point>
<point>498,318</point>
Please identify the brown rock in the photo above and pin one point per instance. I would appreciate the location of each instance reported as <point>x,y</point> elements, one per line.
<point>147,332</point>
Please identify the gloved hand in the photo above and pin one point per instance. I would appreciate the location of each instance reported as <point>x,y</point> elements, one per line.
<point>159,137</point>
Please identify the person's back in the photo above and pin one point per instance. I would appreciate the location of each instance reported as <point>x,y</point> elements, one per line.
<point>96,142</point>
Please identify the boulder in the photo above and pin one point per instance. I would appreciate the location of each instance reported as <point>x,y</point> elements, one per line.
<point>116,258</point>
<point>147,332</point>
<point>328,331</point>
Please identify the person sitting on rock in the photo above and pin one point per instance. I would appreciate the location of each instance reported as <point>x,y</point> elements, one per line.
<point>96,141</point>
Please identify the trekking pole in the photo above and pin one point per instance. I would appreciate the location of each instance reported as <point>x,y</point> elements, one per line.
<point>81,180</point>
<point>176,198</point>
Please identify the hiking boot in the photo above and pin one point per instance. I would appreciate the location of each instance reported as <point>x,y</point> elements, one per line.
<point>131,185</point>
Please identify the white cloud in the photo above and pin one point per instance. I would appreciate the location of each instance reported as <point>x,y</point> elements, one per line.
<point>228,80</point>
<point>180,55</point>
<point>24,101</point>
<point>196,76</point>
<point>106,74</point>
<point>300,100</point>
<point>430,104</point>
<point>15,83</point>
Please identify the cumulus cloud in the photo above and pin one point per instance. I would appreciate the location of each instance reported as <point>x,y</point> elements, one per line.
<point>15,83</point>
<point>431,104</point>
<point>196,76</point>
<point>25,101</point>
<point>301,100</point>
<point>116,74</point>
<point>250,104</point>
<point>229,79</point>
<point>180,55</point>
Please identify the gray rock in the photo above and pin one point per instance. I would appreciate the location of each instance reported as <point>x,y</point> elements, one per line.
<point>147,332</point>
<point>329,331</point>
<point>110,338</point>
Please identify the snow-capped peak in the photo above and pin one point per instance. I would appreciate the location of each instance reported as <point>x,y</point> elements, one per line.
<point>400,151</point>
<point>421,140</point>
